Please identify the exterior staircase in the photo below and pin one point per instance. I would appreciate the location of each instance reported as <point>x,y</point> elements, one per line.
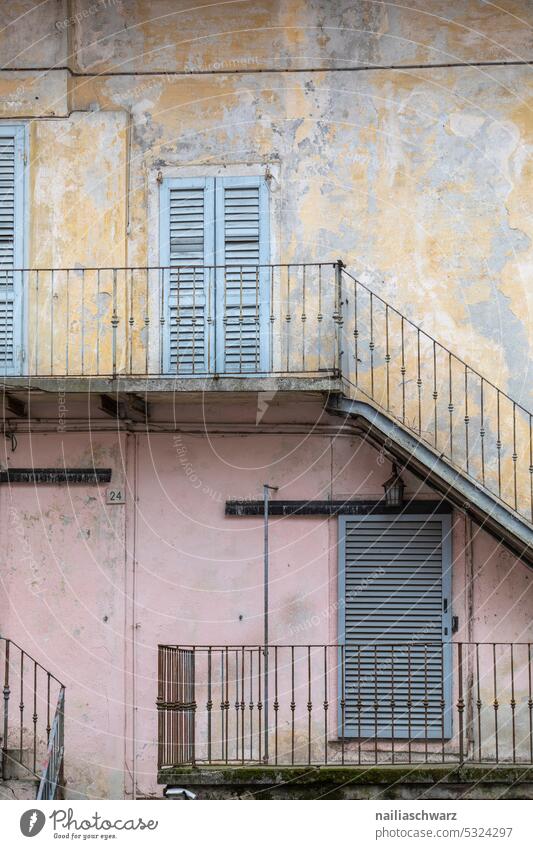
<point>435,415</point>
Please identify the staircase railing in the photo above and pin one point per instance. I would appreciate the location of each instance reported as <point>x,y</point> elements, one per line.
<point>425,387</point>
<point>31,734</point>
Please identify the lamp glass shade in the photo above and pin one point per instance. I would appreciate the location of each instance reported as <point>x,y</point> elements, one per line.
<point>394,488</point>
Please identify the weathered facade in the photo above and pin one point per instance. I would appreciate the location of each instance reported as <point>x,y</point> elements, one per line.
<point>396,139</point>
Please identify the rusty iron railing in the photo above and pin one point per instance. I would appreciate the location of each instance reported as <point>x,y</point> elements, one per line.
<point>183,320</point>
<point>357,704</point>
<point>33,720</point>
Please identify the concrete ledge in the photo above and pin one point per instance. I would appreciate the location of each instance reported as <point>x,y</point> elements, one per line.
<point>326,383</point>
<point>441,781</point>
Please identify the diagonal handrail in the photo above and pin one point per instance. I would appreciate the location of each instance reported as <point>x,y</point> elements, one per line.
<point>420,383</point>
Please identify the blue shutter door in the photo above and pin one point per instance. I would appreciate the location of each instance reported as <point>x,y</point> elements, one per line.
<point>11,245</point>
<point>187,255</point>
<point>242,247</point>
<point>395,625</point>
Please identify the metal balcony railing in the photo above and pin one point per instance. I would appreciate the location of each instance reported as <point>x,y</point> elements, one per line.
<point>357,704</point>
<point>298,320</point>
<point>33,721</point>
<point>192,320</point>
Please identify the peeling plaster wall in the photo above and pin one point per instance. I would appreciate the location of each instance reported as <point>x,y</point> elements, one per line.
<point>180,571</point>
<point>418,178</point>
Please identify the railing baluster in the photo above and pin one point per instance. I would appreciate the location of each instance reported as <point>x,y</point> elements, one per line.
<point>343,702</point>
<point>450,405</point>
<point>513,706</point>
<point>34,717</point>
<point>499,443</point>
<point>272,318</point>
<point>392,703</point>
<point>482,428</point>
<point>467,422</point>
<point>237,706</point>
<point>226,705</point>
<point>293,705</point>
<point>98,322</point>
<point>83,321</point>
<point>147,320</point>
<point>304,318</point>
<point>530,703</point>
<point>309,705</point>
<point>435,396</point>
<point>326,704</point>
<point>259,706</point>
<point>276,704</point>
<point>419,380</point>
<point>131,324</point>
<point>531,464</point>
<point>114,325</point>
<point>68,321</point>
<point>319,318</point>
<point>209,704</point>
<point>387,357</point>
<point>251,706</point>
<point>495,702</point>
<point>426,703</point>
<point>460,701</point>
<point>52,331</point>
<point>371,345</point>
<point>356,335</point>
<point>402,366</point>
<point>21,703</point>
<point>6,694</point>
<point>242,703</point>
<point>479,705</point>
<point>515,458</point>
<point>288,318</point>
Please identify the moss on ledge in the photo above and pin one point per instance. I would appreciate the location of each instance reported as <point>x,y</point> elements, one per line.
<point>258,775</point>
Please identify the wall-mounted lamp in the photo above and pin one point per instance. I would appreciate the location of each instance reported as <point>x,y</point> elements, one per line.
<point>394,488</point>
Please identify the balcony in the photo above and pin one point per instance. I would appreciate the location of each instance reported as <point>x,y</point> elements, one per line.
<point>416,703</point>
<point>200,322</point>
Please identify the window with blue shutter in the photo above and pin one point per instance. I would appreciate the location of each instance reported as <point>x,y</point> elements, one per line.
<point>395,623</point>
<point>11,245</point>
<point>215,243</point>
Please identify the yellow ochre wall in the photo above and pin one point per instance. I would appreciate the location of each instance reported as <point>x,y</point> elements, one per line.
<point>398,139</point>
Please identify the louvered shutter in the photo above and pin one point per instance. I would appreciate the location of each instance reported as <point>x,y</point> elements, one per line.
<point>242,242</point>
<point>11,243</point>
<point>187,249</point>
<point>395,573</point>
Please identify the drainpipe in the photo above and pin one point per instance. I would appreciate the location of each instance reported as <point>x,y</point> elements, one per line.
<point>266,491</point>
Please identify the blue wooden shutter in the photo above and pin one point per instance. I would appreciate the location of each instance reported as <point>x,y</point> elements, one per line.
<point>11,244</point>
<point>242,246</point>
<point>187,249</point>
<point>395,625</point>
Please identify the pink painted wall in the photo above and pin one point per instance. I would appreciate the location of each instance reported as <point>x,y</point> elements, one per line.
<point>94,588</point>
